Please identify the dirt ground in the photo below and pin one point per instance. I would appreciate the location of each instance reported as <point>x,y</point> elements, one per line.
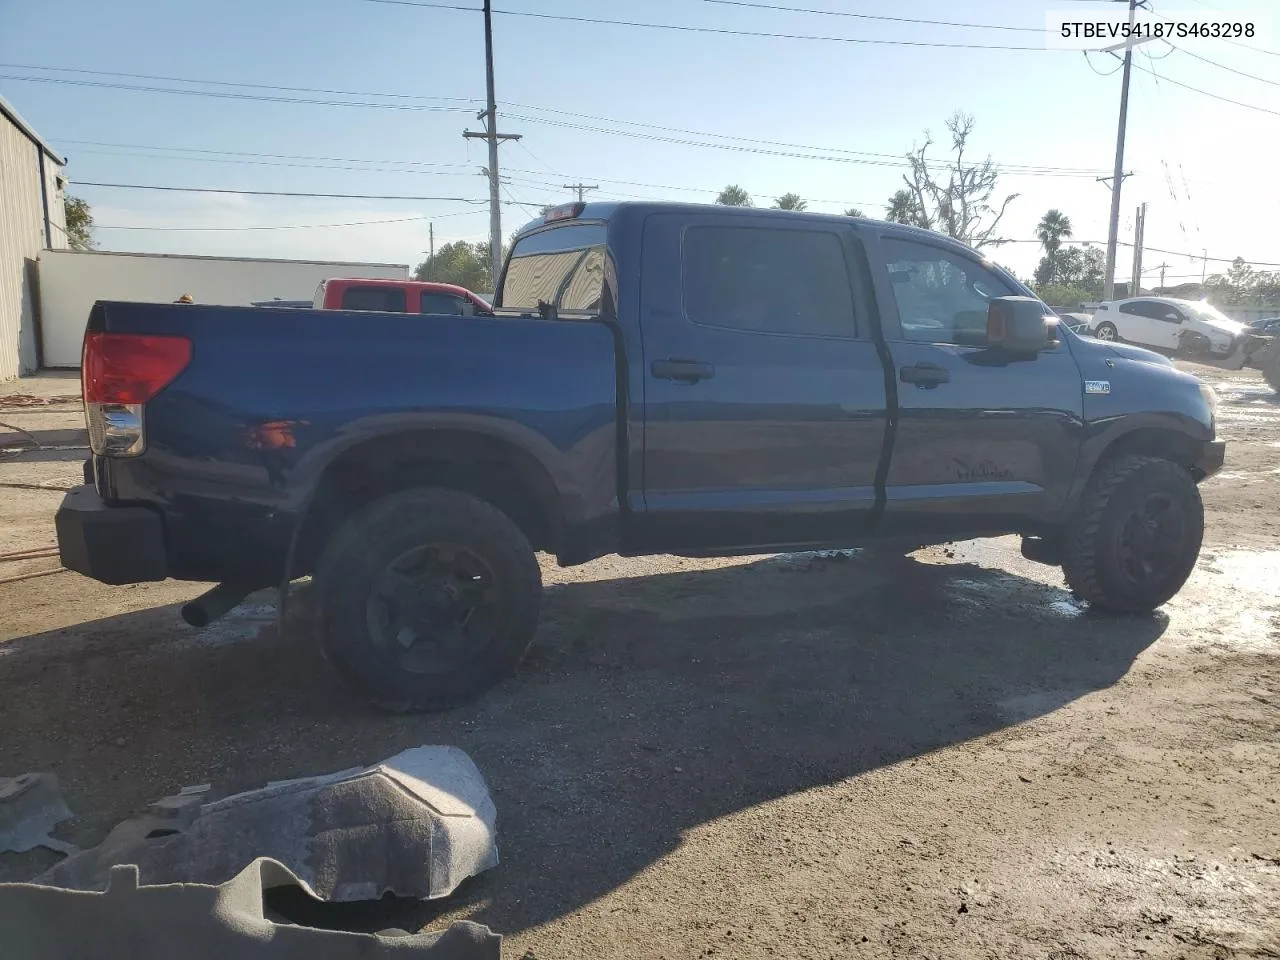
<point>762,757</point>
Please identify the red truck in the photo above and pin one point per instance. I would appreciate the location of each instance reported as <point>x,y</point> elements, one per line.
<point>399,296</point>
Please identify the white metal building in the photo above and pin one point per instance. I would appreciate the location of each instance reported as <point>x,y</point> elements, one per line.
<point>71,280</point>
<point>32,218</point>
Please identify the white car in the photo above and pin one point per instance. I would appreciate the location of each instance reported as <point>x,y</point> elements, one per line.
<point>1186,328</point>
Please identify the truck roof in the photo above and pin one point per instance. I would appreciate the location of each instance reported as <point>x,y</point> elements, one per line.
<point>609,209</point>
<point>429,285</point>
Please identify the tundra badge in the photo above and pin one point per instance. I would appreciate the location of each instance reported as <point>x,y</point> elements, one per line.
<point>1097,386</point>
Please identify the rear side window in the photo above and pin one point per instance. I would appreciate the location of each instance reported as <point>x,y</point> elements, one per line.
<point>385,299</point>
<point>767,280</point>
<point>445,303</point>
<point>563,267</point>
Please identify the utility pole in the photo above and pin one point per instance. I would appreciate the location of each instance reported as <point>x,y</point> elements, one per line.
<point>490,116</point>
<point>1118,174</point>
<point>581,188</point>
<point>1204,265</point>
<point>1162,268</point>
<point>431,253</point>
<point>1139,236</point>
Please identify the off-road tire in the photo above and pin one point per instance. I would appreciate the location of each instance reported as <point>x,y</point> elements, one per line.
<point>353,560</point>
<point>1091,556</point>
<point>1107,325</point>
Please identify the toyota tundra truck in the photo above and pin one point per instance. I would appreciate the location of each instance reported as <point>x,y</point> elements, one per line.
<point>654,378</point>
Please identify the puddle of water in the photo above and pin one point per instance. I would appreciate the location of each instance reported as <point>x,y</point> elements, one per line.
<point>1068,608</point>
<point>243,623</point>
<point>1255,571</point>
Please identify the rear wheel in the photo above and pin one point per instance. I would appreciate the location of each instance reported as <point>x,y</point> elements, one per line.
<point>1107,331</point>
<point>427,599</point>
<point>1136,536</point>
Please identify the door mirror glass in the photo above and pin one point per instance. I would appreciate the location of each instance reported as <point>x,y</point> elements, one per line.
<point>1019,325</point>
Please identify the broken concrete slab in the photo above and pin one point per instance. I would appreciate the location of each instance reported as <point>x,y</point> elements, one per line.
<point>203,922</point>
<point>415,825</point>
<point>31,805</point>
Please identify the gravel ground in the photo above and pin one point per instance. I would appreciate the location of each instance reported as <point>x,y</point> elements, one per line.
<point>793,756</point>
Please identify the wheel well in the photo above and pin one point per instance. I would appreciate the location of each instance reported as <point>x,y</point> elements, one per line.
<point>1155,442</point>
<point>492,470</point>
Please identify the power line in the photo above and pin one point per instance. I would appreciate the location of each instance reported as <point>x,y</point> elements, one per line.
<point>721,31</point>
<point>281,226</point>
<point>739,148</point>
<point>233,83</point>
<point>1171,253</point>
<point>294,226</point>
<point>227,95</point>
<point>274,156</point>
<point>871,16</point>
<point>278,163</point>
<point>1214,96</point>
<point>897,158</point>
<point>272,193</point>
<point>1223,66</point>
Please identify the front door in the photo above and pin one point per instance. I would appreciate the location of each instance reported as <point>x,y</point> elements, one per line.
<point>764,396</point>
<point>984,442</point>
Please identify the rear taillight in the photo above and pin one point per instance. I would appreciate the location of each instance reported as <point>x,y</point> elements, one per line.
<point>120,373</point>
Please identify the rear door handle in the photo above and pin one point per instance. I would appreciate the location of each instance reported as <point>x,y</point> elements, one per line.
<point>682,371</point>
<point>925,375</point>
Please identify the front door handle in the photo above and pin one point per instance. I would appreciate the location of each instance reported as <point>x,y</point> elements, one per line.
<point>682,371</point>
<point>927,375</point>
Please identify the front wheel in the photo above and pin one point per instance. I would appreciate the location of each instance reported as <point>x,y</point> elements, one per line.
<point>428,598</point>
<point>1136,536</point>
<point>1107,331</point>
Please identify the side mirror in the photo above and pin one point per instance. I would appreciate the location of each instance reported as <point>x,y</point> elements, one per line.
<point>1019,325</point>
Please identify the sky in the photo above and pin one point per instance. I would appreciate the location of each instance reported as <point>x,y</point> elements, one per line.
<point>640,112</point>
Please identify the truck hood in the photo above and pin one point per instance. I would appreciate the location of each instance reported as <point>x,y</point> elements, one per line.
<point>1125,351</point>
<point>1230,328</point>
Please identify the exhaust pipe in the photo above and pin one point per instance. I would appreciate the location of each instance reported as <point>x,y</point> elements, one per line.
<point>220,600</point>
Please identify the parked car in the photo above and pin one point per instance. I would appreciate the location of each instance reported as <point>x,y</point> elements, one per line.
<point>1190,330</point>
<point>658,378</point>
<point>399,296</point>
<point>1077,322</point>
<point>1267,325</point>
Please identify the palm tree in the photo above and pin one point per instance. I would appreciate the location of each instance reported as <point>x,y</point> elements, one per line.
<point>854,212</point>
<point>1053,228</point>
<point>902,208</point>
<point>734,196</point>
<point>790,201</point>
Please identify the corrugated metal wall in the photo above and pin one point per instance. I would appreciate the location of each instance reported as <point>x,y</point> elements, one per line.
<point>21,240</point>
<point>22,237</point>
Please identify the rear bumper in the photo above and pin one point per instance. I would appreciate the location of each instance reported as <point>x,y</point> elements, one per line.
<point>111,544</point>
<point>1211,457</point>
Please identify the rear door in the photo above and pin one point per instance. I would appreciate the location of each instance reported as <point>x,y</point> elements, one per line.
<point>764,396</point>
<point>983,441</point>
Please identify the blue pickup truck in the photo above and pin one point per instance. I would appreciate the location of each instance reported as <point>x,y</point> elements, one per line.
<point>656,378</point>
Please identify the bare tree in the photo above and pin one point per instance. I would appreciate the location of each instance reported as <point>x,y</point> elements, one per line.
<point>954,196</point>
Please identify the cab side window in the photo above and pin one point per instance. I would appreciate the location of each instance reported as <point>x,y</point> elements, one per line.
<point>384,299</point>
<point>767,280</point>
<point>942,297</point>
